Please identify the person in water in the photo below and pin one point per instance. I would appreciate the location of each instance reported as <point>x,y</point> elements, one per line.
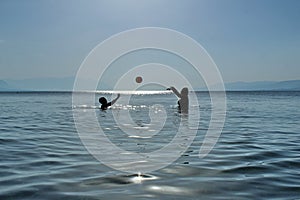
<point>183,102</point>
<point>104,104</point>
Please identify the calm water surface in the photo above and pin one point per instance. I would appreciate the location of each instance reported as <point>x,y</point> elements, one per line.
<point>256,157</point>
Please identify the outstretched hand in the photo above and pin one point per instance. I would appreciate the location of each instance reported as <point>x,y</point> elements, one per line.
<point>114,101</point>
<point>175,91</point>
<point>171,88</point>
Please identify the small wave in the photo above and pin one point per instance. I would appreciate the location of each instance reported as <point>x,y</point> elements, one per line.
<point>85,107</point>
<point>121,179</point>
<point>140,137</point>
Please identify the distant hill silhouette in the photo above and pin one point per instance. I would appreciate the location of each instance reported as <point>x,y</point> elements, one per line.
<point>66,84</point>
<point>46,84</point>
<point>42,84</point>
<point>292,85</point>
<point>4,86</point>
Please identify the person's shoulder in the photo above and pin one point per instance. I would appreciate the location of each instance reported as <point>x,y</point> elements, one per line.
<point>103,107</point>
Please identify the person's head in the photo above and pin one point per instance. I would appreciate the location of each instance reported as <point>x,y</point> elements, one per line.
<point>102,100</point>
<point>184,91</point>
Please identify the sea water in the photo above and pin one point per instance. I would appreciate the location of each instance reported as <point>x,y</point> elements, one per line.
<point>256,157</point>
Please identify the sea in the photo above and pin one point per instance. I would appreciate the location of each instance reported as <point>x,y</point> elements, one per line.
<point>44,156</point>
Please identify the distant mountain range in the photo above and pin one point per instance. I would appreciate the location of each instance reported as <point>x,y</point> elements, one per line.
<point>45,84</point>
<point>38,84</point>
<point>66,84</point>
<point>4,86</point>
<point>292,85</point>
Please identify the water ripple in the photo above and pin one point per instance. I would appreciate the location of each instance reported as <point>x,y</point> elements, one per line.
<point>256,157</point>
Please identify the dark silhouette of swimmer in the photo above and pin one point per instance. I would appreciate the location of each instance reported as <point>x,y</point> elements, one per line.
<point>104,104</point>
<point>183,102</point>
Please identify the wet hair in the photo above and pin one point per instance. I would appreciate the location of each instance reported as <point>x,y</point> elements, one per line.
<point>184,91</point>
<point>102,100</point>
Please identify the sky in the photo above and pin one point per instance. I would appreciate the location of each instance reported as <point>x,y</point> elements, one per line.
<point>249,40</point>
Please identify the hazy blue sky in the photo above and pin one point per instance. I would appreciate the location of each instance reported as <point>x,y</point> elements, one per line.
<point>249,40</point>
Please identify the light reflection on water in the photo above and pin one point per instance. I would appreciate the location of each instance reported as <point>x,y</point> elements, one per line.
<point>256,157</point>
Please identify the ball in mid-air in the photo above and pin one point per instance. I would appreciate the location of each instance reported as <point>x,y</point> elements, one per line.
<point>138,79</point>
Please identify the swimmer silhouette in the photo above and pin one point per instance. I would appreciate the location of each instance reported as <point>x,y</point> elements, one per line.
<point>183,102</point>
<point>104,103</point>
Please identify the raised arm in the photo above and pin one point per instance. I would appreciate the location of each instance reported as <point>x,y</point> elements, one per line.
<point>114,101</point>
<point>175,92</point>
